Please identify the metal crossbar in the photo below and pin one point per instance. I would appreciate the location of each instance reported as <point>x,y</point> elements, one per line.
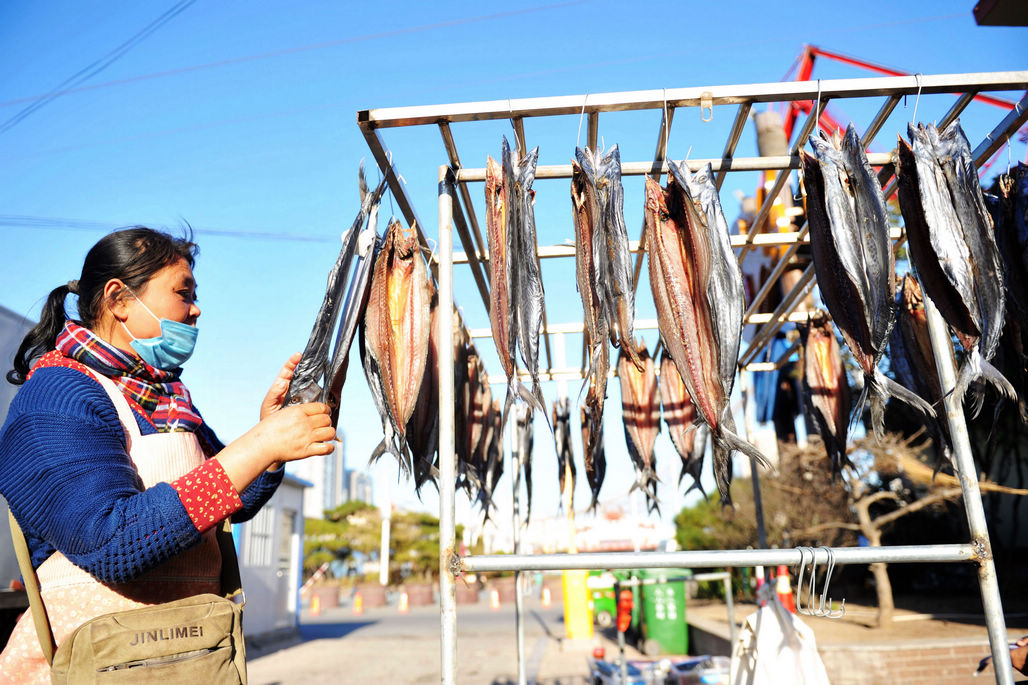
<point>456,211</point>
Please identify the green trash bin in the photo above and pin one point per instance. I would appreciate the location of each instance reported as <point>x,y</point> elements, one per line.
<point>663,626</point>
<point>601,592</point>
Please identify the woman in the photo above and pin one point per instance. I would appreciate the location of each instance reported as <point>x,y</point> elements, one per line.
<point>111,472</point>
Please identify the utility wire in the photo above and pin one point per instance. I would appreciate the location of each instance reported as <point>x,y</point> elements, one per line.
<point>58,223</point>
<point>98,65</point>
<point>303,48</point>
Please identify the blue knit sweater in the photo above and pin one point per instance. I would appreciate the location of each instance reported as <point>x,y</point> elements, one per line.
<point>68,479</point>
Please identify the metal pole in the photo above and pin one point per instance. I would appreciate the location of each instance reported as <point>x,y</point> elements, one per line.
<point>519,601</point>
<point>897,554</point>
<point>965,468</point>
<point>729,600</point>
<point>447,459</point>
<point>750,422</point>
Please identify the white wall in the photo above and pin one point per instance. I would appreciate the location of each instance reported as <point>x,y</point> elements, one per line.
<point>270,560</point>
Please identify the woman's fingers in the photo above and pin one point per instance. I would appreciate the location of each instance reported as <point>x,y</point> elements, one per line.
<point>315,408</point>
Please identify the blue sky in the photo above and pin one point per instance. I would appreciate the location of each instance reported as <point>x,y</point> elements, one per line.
<point>239,118</point>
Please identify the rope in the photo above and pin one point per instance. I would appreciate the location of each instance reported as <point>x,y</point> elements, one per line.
<point>581,117</point>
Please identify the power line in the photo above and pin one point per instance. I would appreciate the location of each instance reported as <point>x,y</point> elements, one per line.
<point>302,48</point>
<point>58,223</point>
<point>98,65</point>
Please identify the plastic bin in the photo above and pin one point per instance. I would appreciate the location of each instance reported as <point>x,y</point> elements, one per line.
<point>663,626</point>
<point>701,670</point>
<point>601,594</point>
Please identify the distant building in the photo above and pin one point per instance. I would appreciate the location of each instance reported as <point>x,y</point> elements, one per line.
<point>359,486</point>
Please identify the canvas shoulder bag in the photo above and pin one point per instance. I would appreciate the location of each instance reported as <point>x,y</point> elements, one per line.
<point>194,640</point>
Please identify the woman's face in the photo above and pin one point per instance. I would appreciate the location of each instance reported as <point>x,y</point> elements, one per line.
<point>170,294</point>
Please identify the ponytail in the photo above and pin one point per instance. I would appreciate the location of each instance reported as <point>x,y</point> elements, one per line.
<point>43,337</point>
<point>132,255</point>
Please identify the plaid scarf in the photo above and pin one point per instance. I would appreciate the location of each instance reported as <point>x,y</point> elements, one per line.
<point>161,395</point>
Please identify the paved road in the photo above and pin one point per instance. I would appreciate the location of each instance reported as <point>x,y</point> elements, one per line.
<point>383,646</point>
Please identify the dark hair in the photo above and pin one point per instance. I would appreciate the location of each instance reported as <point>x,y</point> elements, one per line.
<point>132,255</point>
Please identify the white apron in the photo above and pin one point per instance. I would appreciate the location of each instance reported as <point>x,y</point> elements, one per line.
<point>72,596</point>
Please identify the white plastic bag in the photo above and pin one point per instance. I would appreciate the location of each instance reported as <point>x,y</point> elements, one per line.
<point>775,647</point>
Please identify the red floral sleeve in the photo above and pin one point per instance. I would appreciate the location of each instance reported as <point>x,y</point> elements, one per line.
<point>208,495</point>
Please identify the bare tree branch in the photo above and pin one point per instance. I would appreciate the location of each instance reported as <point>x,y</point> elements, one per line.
<point>926,501</point>
<point>832,525</point>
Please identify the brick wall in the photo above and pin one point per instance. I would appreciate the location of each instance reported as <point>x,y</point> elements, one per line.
<point>911,662</point>
<point>915,663</point>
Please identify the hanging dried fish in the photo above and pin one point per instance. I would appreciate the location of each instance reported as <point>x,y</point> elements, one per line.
<point>315,377</point>
<point>525,441</point>
<point>688,434</point>
<point>423,426</point>
<point>516,287</point>
<point>953,247</point>
<point>697,287</point>
<point>565,457</point>
<point>397,328</point>
<point>826,389</point>
<point>494,461</point>
<point>640,412</point>
<point>911,357</point>
<point>849,240</point>
<point>603,262</point>
<point>592,442</point>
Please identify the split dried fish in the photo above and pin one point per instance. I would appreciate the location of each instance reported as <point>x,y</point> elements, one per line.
<point>516,286</point>
<point>423,426</point>
<point>525,442</point>
<point>911,358</point>
<point>565,457</point>
<point>315,377</point>
<point>954,249</point>
<point>697,287</point>
<point>640,412</point>
<point>826,389</point>
<point>595,455</point>
<point>849,240</point>
<point>397,327</point>
<point>688,434</point>
<point>604,265</point>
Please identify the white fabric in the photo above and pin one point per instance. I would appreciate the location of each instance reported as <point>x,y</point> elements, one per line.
<point>776,647</point>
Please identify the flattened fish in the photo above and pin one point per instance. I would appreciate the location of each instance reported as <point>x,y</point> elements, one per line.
<point>826,389</point>
<point>565,457</point>
<point>640,411</point>
<point>604,266</point>
<point>688,434</point>
<point>697,287</point>
<point>849,240</point>
<point>595,456</point>
<point>954,249</point>
<point>911,357</point>
<point>315,377</point>
<point>494,461</point>
<point>525,441</point>
<point>516,286</point>
<point>423,426</point>
<point>397,325</point>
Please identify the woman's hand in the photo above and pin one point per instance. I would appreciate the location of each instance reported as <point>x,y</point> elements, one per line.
<point>287,434</point>
<point>273,400</point>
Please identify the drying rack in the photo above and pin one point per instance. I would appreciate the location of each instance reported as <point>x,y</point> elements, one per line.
<point>456,212</point>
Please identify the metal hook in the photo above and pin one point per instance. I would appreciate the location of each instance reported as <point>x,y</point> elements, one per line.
<point>799,582</point>
<point>517,141</point>
<point>917,78</point>
<point>825,610</point>
<point>580,118</point>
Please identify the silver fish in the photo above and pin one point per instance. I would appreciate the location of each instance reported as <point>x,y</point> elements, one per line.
<point>955,253</point>
<point>849,240</point>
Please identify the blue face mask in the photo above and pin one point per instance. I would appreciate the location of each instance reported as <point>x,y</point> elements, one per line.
<point>170,349</point>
